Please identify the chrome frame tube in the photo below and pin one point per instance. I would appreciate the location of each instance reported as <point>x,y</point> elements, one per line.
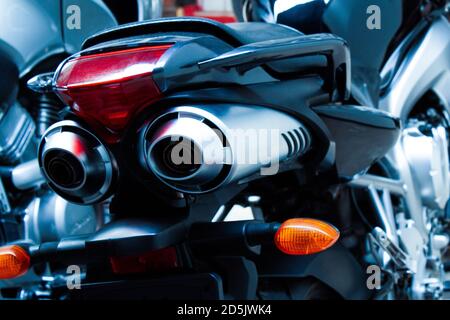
<point>380,183</point>
<point>383,204</point>
<point>27,175</point>
<point>149,9</point>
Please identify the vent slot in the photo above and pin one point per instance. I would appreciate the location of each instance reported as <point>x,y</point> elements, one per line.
<point>305,137</point>
<point>289,144</point>
<point>297,141</point>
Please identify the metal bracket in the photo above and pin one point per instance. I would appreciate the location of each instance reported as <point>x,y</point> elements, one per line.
<point>398,256</point>
<point>5,207</point>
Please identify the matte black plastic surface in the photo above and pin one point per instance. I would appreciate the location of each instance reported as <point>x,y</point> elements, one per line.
<point>335,267</point>
<point>362,135</point>
<point>203,286</point>
<point>9,78</point>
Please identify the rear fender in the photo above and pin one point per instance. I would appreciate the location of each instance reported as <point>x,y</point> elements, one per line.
<point>335,267</point>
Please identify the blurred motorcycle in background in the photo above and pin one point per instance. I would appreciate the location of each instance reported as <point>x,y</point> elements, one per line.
<point>35,36</point>
<point>400,64</point>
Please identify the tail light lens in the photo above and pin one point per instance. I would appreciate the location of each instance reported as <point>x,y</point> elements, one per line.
<point>153,261</point>
<point>305,236</point>
<point>106,89</point>
<point>14,262</point>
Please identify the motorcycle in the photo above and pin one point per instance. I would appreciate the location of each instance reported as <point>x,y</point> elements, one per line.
<point>232,161</point>
<point>403,70</point>
<point>30,211</point>
<point>220,152</point>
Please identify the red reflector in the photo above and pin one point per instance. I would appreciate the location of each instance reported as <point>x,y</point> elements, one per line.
<point>107,89</point>
<point>158,260</point>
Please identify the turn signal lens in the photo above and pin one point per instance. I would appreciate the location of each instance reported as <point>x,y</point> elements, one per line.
<point>305,236</point>
<point>14,262</point>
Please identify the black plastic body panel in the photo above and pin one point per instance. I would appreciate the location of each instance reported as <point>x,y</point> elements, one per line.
<point>362,135</point>
<point>348,19</point>
<point>201,286</point>
<point>9,79</point>
<point>306,17</point>
<point>336,267</point>
<point>267,52</point>
<point>124,237</point>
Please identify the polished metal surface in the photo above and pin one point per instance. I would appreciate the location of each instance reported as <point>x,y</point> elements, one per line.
<point>27,175</point>
<point>226,143</point>
<point>16,131</point>
<point>50,218</point>
<point>150,9</point>
<point>76,164</point>
<point>380,183</point>
<point>421,160</point>
<point>41,83</point>
<point>426,67</point>
<point>429,163</point>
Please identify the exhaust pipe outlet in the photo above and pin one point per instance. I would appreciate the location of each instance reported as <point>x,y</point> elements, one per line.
<point>76,164</point>
<point>196,149</point>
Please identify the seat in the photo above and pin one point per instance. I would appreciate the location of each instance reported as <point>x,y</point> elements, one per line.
<point>235,34</point>
<point>9,78</point>
<point>252,32</point>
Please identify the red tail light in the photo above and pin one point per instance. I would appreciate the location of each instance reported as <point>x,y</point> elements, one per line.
<point>153,261</point>
<point>107,89</point>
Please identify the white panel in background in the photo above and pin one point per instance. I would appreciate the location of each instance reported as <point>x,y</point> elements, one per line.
<point>216,5</point>
<point>239,213</point>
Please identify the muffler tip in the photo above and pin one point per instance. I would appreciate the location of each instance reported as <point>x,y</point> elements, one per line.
<point>165,156</point>
<point>76,164</point>
<point>176,148</point>
<point>64,169</point>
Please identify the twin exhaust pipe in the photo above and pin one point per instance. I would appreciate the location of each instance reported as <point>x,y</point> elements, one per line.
<point>192,149</point>
<point>76,164</point>
<point>198,149</point>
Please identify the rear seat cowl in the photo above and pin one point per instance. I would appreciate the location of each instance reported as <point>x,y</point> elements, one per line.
<point>181,24</point>
<point>235,34</point>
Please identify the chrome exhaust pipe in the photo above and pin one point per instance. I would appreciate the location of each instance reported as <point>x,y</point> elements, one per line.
<point>76,164</point>
<point>196,149</point>
<point>27,175</point>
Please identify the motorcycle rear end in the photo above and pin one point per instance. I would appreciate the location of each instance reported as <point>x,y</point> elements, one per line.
<point>176,125</point>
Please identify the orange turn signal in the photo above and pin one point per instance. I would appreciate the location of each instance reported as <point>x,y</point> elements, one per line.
<point>305,236</point>
<point>14,262</point>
